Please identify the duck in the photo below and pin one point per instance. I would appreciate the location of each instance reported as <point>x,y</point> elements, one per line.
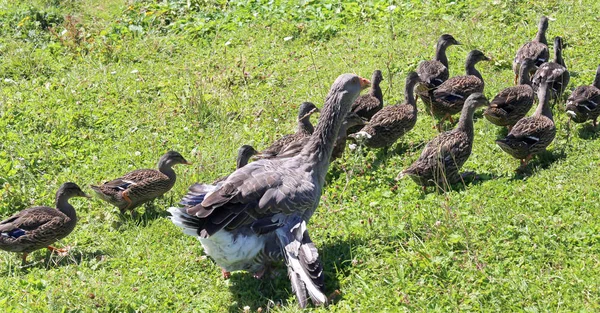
<point>244,153</point>
<point>41,226</point>
<point>584,103</point>
<point>449,97</point>
<point>367,105</point>
<point>537,49</point>
<point>259,214</point>
<point>555,73</point>
<point>137,187</point>
<point>352,120</point>
<point>531,135</point>
<point>392,122</point>
<point>442,158</point>
<point>304,130</point>
<point>512,103</point>
<point>434,72</point>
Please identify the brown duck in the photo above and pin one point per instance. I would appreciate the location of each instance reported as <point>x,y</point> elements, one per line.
<point>450,96</point>
<point>533,134</point>
<point>584,103</point>
<point>512,104</point>
<point>434,72</point>
<point>39,227</point>
<point>393,121</point>
<point>537,49</point>
<point>140,186</point>
<point>554,73</point>
<point>443,157</point>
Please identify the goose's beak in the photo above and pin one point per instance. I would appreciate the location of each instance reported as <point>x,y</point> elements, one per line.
<point>364,83</point>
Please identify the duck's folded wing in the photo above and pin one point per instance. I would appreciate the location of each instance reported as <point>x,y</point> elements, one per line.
<point>302,259</point>
<point>29,220</point>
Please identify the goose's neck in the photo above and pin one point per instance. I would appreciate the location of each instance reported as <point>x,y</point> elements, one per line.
<point>63,205</point>
<point>543,108</point>
<point>320,145</point>
<point>440,54</point>
<point>471,70</point>
<point>465,123</point>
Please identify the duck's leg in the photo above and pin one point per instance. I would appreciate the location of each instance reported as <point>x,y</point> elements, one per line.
<point>595,122</point>
<point>61,252</point>
<point>509,128</point>
<point>24,258</point>
<point>449,117</point>
<point>516,79</point>
<point>225,273</point>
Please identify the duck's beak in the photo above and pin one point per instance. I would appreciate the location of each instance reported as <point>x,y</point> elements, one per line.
<point>364,83</point>
<point>85,195</point>
<point>188,163</point>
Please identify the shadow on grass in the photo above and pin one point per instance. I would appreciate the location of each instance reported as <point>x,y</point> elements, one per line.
<point>587,131</point>
<point>53,260</point>
<point>469,178</point>
<point>141,216</point>
<point>543,160</point>
<point>275,288</point>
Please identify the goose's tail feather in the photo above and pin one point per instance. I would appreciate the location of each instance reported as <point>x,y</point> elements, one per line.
<point>302,259</point>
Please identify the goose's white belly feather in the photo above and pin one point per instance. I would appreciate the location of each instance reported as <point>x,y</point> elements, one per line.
<point>233,253</point>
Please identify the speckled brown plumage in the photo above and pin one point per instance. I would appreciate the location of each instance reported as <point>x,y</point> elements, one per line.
<point>434,72</point>
<point>304,130</point>
<point>554,73</point>
<point>512,103</point>
<point>393,121</point>
<point>442,158</point>
<point>584,102</point>
<point>533,134</point>
<point>537,49</point>
<point>449,97</point>
<point>367,105</point>
<point>140,186</point>
<point>38,227</point>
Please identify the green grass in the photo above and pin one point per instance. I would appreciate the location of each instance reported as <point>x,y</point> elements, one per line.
<point>90,91</point>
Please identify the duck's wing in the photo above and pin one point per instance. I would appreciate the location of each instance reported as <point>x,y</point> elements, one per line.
<point>30,220</point>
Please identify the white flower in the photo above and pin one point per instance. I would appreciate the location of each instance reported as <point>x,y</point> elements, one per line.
<point>288,38</point>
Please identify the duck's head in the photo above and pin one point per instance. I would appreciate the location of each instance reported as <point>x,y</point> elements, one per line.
<point>172,158</point>
<point>245,152</point>
<point>306,110</point>
<point>352,119</point>
<point>69,190</point>
<point>476,56</point>
<point>447,40</point>
<point>477,100</point>
<point>376,78</point>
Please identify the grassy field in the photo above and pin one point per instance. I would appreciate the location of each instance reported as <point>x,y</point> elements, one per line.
<point>92,89</point>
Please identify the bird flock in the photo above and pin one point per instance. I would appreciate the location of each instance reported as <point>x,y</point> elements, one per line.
<point>259,214</point>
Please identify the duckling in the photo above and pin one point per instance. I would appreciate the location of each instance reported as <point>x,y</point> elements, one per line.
<point>442,157</point>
